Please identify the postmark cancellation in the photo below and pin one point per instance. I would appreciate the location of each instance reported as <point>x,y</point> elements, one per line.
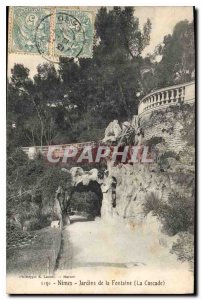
<point>51,31</point>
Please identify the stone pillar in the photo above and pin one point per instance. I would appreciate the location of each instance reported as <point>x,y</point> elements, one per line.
<point>154,98</point>
<point>32,152</point>
<point>183,93</point>
<point>163,96</point>
<point>145,104</point>
<point>167,95</point>
<point>177,95</point>
<point>172,95</point>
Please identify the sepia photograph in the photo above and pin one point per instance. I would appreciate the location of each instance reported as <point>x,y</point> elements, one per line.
<point>100,125</point>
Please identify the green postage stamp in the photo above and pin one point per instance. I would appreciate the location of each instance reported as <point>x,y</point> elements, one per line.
<point>51,32</point>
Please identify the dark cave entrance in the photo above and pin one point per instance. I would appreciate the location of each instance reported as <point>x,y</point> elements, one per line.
<point>86,200</point>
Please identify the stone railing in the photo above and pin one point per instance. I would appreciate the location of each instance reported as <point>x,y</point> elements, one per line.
<point>167,96</point>
<point>33,151</point>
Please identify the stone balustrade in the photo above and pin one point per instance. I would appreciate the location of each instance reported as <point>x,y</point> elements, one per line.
<point>167,96</point>
<point>156,100</point>
<point>33,151</point>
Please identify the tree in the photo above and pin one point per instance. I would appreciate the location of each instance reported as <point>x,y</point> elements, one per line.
<point>119,33</point>
<point>76,102</point>
<point>31,119</point>
<point>178,57</point>
<point>19,106</point>
<point>47,84</point>
<point>31,187</point>
<point>105,87</point>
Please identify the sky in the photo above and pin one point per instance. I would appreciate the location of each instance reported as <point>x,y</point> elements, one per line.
<point>163,20</point>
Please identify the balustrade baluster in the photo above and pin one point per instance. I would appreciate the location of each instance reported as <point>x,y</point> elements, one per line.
<point>172,95</point>
<point>149,101</point>
<point>183,93</point>
<point>167,95</point>
<point>177,95</point>
<point>162,96</point>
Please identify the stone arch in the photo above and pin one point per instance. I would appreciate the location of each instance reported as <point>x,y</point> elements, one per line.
<point>107,185</point>
<point>91,194</point>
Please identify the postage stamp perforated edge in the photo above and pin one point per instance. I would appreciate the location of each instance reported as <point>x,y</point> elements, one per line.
<point>52,10</point>
<point>11,49</point>
<point>91,15</point>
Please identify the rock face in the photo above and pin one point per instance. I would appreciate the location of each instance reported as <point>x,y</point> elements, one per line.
<point>84,177</point>
<point>173,172</point>
<point>134,184</point>
<point>112,132</point>
<point>106,208</point>
<point>127,188</point>
<point>106,184</point>
<point>168,124</point>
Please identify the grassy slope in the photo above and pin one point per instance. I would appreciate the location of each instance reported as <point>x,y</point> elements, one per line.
<point>37,258</point>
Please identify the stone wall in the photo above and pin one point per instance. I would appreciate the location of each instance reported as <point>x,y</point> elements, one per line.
<point>167,124</point>
<point>135,183</point>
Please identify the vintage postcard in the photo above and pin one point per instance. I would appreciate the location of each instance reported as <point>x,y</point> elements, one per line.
<point>101,150</point>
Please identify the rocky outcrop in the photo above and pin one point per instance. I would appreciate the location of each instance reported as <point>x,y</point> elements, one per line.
<point>168,123</point>
<point>135,183</point>
<point>106,185</point>
<point>112,132</point>
<point>126,188</point>
<point>84,177</point>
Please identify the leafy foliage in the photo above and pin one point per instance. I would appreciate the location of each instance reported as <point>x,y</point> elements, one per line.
<point>184,247</point>
<point>152,203</point>
<point>31,185</point>
<point>76,102</point>
<point>176,216</point>
<point>163,160</point>
<point>155,140</point>
<point>173,61</point>
<point>177,64</point>
<point>188,131</point>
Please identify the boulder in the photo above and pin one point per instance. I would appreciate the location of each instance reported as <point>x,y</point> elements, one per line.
<point>112,132</point>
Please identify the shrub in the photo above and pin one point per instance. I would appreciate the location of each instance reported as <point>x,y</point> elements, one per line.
<point>152,203</point>
<point>163,158</point>
<point>168,154</point>
<point>155,140</point>
<point>30,182</point>
<point>184,248</point>
<point>188,131</point>
<point>178,214</point>
<point>40,222</point>
<point>51,179</point>
<point>16,159</point>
